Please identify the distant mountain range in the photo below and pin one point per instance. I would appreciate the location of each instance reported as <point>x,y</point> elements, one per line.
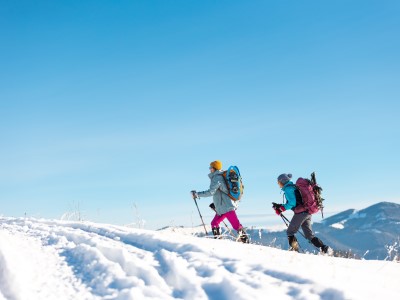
<point>371,233</point>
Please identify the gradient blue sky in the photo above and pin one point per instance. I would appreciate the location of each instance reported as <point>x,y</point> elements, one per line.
<point>111,104</point>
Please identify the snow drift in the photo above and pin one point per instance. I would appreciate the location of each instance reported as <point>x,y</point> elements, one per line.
<point>44,259</point>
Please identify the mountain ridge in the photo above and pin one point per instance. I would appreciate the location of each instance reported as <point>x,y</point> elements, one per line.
<point>369,233</point>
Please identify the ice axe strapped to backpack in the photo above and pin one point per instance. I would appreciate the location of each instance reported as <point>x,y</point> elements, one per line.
<point>308,195</point>
<point>310,192</point>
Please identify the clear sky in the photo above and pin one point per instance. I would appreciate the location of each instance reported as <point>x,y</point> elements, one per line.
<point>108,105</point>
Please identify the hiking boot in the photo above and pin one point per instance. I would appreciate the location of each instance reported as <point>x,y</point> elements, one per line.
<point>327,250</point>
<point>243,237</point>
<point>319,244</point>
<point>216,232</point>
<point>293,244</point>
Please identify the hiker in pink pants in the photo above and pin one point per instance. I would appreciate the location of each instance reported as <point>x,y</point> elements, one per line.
<point>222,204</point>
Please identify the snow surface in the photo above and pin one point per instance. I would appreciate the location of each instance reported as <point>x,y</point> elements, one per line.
<point>45,259</point>
<point>338,225</point>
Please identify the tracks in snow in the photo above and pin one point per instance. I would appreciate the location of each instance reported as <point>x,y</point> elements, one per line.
<point>112,262</point>
<point>31,271</point>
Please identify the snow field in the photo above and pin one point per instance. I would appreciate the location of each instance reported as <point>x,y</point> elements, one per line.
<point>31,271</point>
<point>46,259</point>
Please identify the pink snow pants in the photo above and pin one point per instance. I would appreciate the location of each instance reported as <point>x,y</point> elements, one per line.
<point>232,218</point>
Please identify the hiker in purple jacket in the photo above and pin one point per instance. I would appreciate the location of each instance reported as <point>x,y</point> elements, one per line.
<point>301,216</point>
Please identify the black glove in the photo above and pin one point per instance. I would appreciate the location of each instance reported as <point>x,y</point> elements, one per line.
<point>212,206</point>
<point>279,208</point>
<point>275,205</point>
<point>194,194</point>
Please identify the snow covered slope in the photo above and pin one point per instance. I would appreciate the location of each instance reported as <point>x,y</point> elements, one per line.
<point>43,259</point>
<point>370,233</point>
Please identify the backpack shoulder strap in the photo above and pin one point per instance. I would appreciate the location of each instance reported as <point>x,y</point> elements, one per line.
<point>292,184</point>
<point>223,175</point>
<point>297,194</point>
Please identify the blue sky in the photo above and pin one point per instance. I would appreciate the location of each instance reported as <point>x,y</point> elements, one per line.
<point>110,104</point>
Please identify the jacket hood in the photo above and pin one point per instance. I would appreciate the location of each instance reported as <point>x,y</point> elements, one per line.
<point>287,184</point>
<point>218,172</point>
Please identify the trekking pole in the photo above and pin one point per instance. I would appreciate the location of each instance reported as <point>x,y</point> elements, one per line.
<point>286,221</point>
<point>201,217</point>
<point>230,231</point>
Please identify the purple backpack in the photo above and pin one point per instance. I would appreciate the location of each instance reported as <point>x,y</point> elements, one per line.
<point>310,193</point>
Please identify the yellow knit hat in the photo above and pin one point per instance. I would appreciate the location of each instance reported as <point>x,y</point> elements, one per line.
<point>217,165</point>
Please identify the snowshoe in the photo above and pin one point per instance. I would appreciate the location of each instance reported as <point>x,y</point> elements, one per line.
<point>327,250</point>
<point>293,244</point>
<point>243,236</point>
<point>216,232</point>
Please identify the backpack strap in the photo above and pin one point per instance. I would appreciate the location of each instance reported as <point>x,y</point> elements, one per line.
<point>297,195</point>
